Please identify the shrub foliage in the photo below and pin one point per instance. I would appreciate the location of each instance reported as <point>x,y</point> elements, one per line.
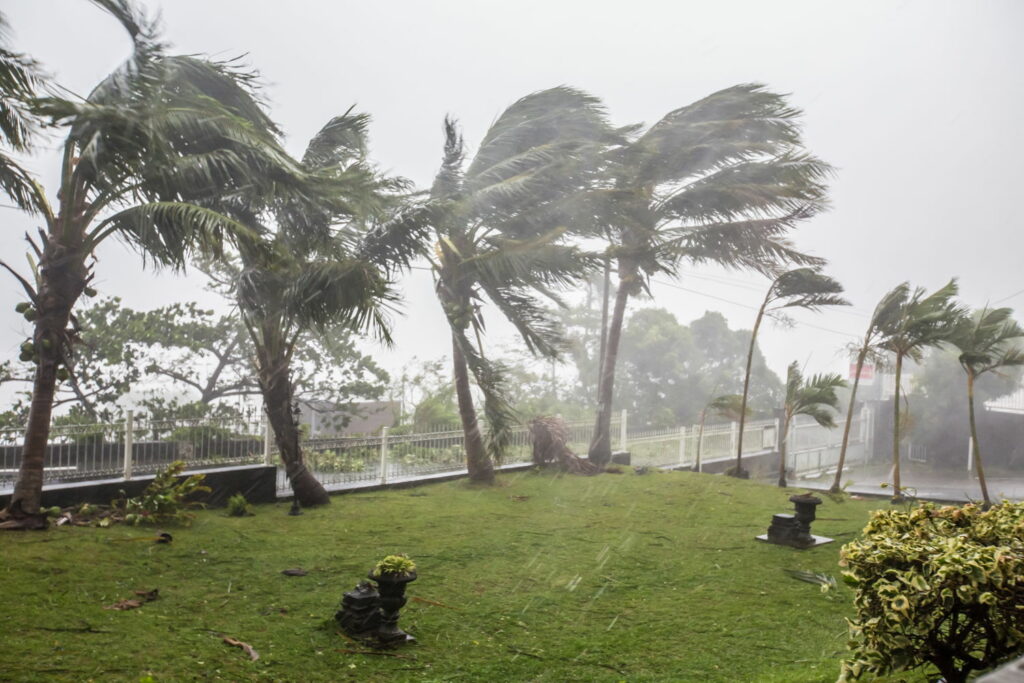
<point>939,586</point>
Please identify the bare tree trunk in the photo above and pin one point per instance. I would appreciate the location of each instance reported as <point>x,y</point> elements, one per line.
<point>849,419</point>
<point>602,347</point>
<point>782,450</point>
<point>600,452</point>
<point>63,276</point>
<point>478,463</point>
<point>976,449</point>
<point>278,394</point>
<point>738,470</point>
<point>897,493</point>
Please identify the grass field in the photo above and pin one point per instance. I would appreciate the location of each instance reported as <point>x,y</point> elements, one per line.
<point>542,577</point>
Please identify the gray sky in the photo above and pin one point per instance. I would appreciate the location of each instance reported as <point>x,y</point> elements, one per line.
<point>916,103</point>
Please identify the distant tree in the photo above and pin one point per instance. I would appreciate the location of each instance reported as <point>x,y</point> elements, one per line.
<point>815,397</point>
<point>989,340</point>
<point>868,349</point>
<point>669,370</point>
<point>722,180</point>
<point>799,288</point>
<point>500,222</point>
<point>917,321</point>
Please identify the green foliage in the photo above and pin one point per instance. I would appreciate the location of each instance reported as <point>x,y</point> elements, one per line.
<point>936,586</point>
<point>166,499</point>
<point>395,564</point>
<point>238,506</point>
<point>348,460</point>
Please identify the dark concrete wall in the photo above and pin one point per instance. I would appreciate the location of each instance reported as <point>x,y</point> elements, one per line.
<point>258,483</point>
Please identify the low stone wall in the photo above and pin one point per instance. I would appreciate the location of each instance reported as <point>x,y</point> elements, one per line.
<point>258,483</point>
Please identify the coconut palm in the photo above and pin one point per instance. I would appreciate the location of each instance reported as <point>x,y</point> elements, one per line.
<point>499,222</point>
<point>151,143</point>
<point>798,288</point>
<point>722,180</point>
<point>728,406</point>
<point>868,349</point>
<point>20,79</point>
<point>326,266</point>
<point>917,321</point>
<point>989,339</point>
<point>815,397</point>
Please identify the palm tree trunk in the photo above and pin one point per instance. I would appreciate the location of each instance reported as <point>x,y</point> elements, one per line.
<point>783,438</point>
<point>976,450</point>
<point>278,395</point>
<point>700,439</point>
<point>478,463</point>
<point>849,419</point>
<point>600,452</point>
<point>897,491</point>
<point>63,276</point>
<point>738,470</point>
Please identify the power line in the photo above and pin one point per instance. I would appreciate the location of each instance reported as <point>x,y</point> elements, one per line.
<point>1007,298</point>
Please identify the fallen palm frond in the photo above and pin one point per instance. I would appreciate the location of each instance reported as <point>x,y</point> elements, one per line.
<point>826,581</point>
<point>549,436</point>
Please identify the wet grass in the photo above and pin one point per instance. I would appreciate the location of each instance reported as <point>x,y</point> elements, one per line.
<point>547,578</point>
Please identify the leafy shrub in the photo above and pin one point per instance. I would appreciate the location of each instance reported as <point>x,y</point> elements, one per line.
<point>939,586</point>
<point>353,460</point>
<point>165,500</point>
<point>238,506</point>
<point>394,564</point>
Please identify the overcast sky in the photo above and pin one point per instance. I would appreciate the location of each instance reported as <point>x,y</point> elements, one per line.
<point>916,103</point>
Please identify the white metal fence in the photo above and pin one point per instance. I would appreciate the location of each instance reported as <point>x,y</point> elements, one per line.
<point>141,447</point>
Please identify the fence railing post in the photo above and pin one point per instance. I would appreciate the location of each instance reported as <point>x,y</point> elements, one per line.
<point>682,446</point>
<point>383,455</point>
<point>266,442</point>
<point>623,421</point>
<point>129,440</point>
<point>734,430</point>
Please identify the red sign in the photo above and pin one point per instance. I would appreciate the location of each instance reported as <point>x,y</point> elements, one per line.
<point>867,371</point>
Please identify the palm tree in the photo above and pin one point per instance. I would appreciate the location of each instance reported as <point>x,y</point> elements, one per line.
<point>722,180</point>
<point>20,78</point>
<point>988,340</point>
<point>152,141</point>
<point>799,288</point>
<point>499,223</point>
<point>917,321</point>
<point>816,397</point>
<point>728,406</point>
<point>324,268</point>
<point>868,349</point>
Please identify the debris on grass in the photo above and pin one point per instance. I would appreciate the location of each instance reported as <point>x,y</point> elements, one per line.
<point>134,603</point>
<point>826,581</point>
<point>297,571</point>
<point>253,655</point>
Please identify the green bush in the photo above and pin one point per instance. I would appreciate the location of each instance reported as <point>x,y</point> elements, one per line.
<point>238,506</point>
<point>395,565</point>
<point>353,460</point>
<point>165,500</point>
<point>938,586</point>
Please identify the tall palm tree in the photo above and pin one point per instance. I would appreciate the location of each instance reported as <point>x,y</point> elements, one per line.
<point>798,288</point>
<point>868,349</point>
<point>327,265</point>
<point>499,222</point>
<point>20,79</point>
<point>917,321</point>
<point>156,138</point>
<point>722,180</point>
<point>988,339</point>
<point>816,397</point>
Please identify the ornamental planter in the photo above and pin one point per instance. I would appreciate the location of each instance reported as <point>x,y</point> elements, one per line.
<point>795,530</point>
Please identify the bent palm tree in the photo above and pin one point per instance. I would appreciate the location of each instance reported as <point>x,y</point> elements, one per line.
<point>868,348</point>
<point>728,406</point>
<point>499,223</point>
<point>799,288</point>
<point>988,340</point>
<point>154,140</point>
<point>816,397</point>
<point>322,268</point>
<point>917,321</point>
<point>722,180</point>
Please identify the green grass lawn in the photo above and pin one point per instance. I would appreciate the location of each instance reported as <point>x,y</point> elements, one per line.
<point>542,577</point>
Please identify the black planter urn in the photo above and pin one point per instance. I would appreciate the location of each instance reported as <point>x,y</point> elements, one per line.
<point>391,588</point>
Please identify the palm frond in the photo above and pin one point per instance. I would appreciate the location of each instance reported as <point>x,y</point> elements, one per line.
<point>492,380</point>
<point>805,288</point>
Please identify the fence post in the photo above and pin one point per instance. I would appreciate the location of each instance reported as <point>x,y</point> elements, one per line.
<point>383,455</point>
<point>266,442</point>
<point>129,439</point>
<point>970,454</point>
<point>733,434</point>
<point>682,445</point>
<point>622,429</point>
